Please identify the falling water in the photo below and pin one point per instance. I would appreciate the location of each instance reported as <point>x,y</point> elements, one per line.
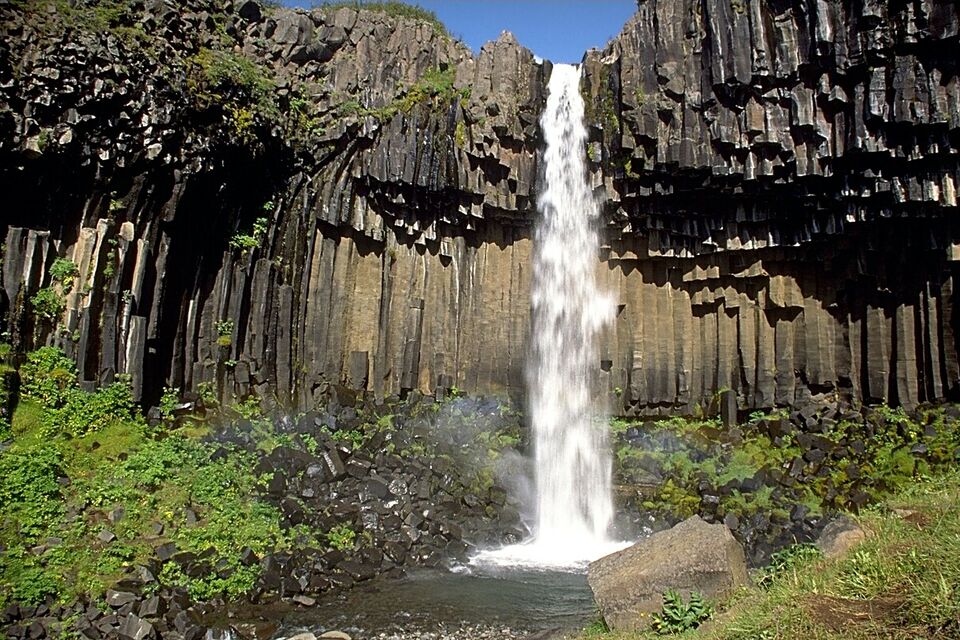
<point>573,502</point>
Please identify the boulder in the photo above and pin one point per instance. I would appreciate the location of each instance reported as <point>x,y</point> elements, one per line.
<point>692,556</point>
<point>840,536</point>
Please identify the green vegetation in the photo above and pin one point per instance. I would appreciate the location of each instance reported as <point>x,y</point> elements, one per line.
<point>435,87</point>
<point>84,462</point>
<point>242,88</point>
<point>94,16</point>
<point>787,560</point>
<point>168,403</point>
<point>49,378</point>
<point>395,9</point>
<point>342,537</point>
<point>48,303</point>
<point>460,134</point>
<point>677,616</point>
<point>874,457</point>
<point>247,241</point>
<point>64,271</point>
<point>224,333</point>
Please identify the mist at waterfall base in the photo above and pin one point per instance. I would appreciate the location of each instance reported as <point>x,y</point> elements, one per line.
<point>573,504</point>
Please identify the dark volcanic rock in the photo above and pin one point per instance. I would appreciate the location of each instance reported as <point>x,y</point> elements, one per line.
<point>758,166</point>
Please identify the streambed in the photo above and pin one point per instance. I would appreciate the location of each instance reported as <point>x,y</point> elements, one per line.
<point>487,602</point>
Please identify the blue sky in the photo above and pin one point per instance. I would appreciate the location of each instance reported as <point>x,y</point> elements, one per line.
<point>558,30</point>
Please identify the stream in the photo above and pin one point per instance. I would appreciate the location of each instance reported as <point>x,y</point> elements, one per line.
<point>483,602</point>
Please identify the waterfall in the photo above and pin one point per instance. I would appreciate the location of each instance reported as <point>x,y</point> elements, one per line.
<point>572,462</point>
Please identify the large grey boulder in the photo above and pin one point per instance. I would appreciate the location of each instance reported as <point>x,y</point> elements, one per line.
<point>692,556</point>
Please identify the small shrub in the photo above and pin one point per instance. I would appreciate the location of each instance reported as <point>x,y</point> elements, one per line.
<point>676,616</point>
<point>341,537</point>
<point>84,413</point>
<point>247,241</point>
<point>48,376</point>
<point>47,303</point>
<point>249,408</point>
<point>168,403</point>
<point>64,271</point>
<point>225,333</point>
<point>244,89</point>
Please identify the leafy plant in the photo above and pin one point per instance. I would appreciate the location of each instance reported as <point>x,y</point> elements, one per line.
<point>342,537</point>
<point>48,376</point>
<point>243,87</point>
<point>48,303</point>
<point>29,489</point>
<point>677,616</point>
<point>84,413</point>
<point>168,403</point>
<point>64,271</point>
<point>247,241</point>
<point>224,332</point>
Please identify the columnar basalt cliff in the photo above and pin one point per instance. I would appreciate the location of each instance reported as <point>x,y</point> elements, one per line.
<point>779,182</point>
<point>782,178</point>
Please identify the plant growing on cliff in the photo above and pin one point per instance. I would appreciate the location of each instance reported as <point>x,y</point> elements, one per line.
<point>434,87</point>
<point>247,241</point>
<point>243,88</point>
<point>48,303</point>
<point>224,332</point>
<point>678,616</point>
<point>64,271</point>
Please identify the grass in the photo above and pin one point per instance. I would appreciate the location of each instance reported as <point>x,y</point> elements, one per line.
<point>902,582</point>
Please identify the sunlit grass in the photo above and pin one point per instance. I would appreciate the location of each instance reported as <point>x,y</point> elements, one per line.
<point>902,582</point>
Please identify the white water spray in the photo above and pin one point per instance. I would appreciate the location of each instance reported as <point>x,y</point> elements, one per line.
<point>573,504</point>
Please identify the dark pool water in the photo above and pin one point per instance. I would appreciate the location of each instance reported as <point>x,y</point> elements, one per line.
<point>440,602</point>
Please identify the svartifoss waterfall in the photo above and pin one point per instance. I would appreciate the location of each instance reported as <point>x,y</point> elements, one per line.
<point>572,465</point>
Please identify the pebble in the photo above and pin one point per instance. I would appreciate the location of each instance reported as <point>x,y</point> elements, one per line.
<point>462,632</point>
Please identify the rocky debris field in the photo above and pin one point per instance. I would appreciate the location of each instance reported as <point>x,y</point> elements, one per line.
<point>363,490</point>
<point>778,477</point>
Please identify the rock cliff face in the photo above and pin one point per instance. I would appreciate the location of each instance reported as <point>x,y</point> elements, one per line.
<point>277,201</point>
<point>781,180</point>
